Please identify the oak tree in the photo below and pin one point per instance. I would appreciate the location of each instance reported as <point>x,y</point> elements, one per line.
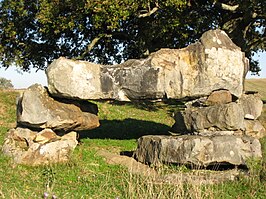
<point>34,32</point>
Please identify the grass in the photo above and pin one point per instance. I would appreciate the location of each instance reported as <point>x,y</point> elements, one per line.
<point>88,175</point>
<point>256,85</point>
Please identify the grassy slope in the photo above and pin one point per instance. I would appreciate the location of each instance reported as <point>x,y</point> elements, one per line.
<point>256,85</point>
<point>88,176</point>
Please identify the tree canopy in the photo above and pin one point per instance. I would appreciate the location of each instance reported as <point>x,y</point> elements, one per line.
<point>34,32</point>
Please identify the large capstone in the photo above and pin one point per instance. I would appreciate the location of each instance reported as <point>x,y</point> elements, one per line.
<point>37,109</point>
<point>197,150</point>
<point>212,63</point>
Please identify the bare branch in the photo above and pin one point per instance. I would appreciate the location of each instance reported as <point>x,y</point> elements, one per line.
<point>92,44</point>
<point>225,6</point>
<point>150,12</point>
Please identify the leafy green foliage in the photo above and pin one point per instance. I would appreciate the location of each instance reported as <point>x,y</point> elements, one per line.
<point>33,33</point>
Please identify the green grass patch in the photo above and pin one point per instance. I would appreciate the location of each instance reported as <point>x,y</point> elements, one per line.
<point>88,175</point>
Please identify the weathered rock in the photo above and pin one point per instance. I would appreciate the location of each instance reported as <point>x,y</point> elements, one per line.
<point>254,129</point>
<point>218,117</point>
<point>206,132</point>
<point>212,63</point>
<point>25,147</point>
<point>194,177</point>
<point>45,136</point>
<point>36,109</point>
<point>198,102</point>
<point>129,162</point>
<point>252,105</point>
<point>200,177</point>
<point>219,97</point>
<point>197,150</point>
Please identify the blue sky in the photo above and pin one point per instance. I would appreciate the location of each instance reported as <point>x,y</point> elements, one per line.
<point>24,80</point>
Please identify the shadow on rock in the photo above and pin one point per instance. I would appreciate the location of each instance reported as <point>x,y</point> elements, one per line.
<point>125,129</point>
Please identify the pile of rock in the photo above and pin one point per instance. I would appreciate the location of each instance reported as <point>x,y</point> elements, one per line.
<point>213,130</point>
<point>38,148</point>
<point>41,119</point>
<point>220,126</point>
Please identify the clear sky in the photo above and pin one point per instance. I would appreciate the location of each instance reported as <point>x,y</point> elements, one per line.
<point>24,80</point>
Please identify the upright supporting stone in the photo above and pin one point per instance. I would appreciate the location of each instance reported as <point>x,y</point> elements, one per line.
<point>37,109</point>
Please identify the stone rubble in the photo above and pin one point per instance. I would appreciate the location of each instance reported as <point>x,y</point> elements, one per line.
<point>32,148</point>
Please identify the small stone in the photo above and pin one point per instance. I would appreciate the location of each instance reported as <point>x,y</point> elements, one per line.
<point>252,105</point>
<point>254,129</point>
<point>219,97</point>
<point>45,135</point>
<point>249,116</point>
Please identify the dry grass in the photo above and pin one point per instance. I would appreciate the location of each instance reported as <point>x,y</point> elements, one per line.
<point>8,108</point>
<point>256,85</point>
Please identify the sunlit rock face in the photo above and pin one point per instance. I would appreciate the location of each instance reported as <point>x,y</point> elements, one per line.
<point>37,109</point>
<point>33,148</point>
<point>212,63</point>
<point>197,150</point>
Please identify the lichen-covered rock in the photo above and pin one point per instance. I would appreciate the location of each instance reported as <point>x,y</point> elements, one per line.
<point>37,109</point>
<point>224,117</point>
<point>31,148</point>
<point>252,105</point>
<point>197,150</point>
<point>212,63</point>
<point>254,129</point>
<point>219,97</point>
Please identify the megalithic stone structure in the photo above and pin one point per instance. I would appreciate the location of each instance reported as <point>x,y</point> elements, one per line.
<point>212,63</point>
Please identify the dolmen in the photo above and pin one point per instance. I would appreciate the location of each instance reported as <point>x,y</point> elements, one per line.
<point>218,126</point>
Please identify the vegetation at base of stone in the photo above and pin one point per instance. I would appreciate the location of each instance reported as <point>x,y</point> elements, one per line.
<point>36,32</point>
<point>88,175</point>
<point>5,83</point>
<point>7,110</point>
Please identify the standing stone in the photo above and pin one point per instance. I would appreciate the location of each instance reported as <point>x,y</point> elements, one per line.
<point>197,150</point>
<point>212,63</point>
<point>37,109</point>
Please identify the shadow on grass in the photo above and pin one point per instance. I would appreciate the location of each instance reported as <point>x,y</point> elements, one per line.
<point>125,129</point>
